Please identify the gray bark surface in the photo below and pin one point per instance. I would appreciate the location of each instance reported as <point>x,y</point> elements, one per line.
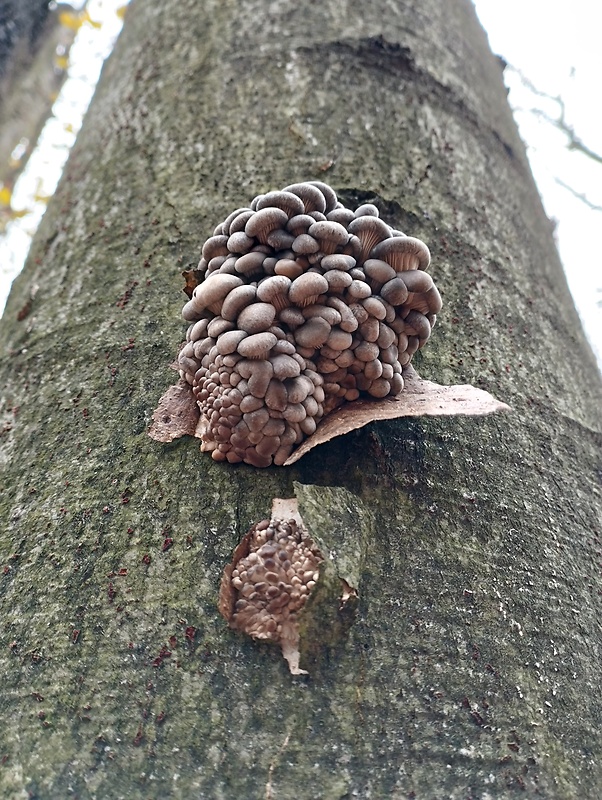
<point>473,666</point>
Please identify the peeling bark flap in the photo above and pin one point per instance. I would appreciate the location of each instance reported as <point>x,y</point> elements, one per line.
<point>418,398</point>
<point>178,414</point>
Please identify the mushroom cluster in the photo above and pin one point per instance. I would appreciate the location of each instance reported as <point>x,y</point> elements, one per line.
<point>303,305</point>
<point>269,581</point>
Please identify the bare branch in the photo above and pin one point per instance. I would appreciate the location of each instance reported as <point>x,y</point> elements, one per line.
<point>559,122</point>
<point>578,195</point>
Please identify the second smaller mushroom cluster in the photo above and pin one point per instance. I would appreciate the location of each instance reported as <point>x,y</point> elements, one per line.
<point>273,572</point>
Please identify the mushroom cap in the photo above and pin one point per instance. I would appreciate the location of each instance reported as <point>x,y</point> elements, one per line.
<point>280,239</point>
<point>338,261</point>
<point>329,235</point>
<point>251,263</point>
<point>395,291</point>
<point>306,288</point>
<point>328,193</point>
<point>257,346</point>
<point>264,221</point>
<point>299,224</point>
<point>370,231</point>
<point>290,203</point>
<point>379,271</point>
<point>403,253</point>
<point>342,215</point>
<point>358,290</point>
<point>337,280</point>
<point>228,342</point>
<point>256,317</point>
<point>289,267</point>
<point>197,331</point>
<point>417,280</point>
<point>237,225</point>
<point>236,300</point>
<point>313,333</point>
<point>367,210</point>
<point>213,290</point>
<point>330,314</point>
<point>285,366</point>
<point>219,325</point>
<point>275,290</point>
<point>416,324</point>
<point>304,243</point>
<point>215,246</point>
<point>313,199</point>
<point>239,242</point>
<point>227,222</point>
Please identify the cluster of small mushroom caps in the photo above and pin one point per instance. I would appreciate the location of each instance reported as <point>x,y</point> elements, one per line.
<point>274,569</point>
<point>303,305</point>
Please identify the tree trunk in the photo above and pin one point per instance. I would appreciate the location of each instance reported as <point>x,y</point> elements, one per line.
<point>473,665</point>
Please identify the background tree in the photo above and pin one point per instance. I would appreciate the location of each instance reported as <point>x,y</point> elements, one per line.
<point>473,664</point>
<point>34,50</point>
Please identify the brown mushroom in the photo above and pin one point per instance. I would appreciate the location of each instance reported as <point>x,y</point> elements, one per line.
<point>403,253</point>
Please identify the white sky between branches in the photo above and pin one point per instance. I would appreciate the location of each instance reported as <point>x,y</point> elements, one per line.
<point>553,44</point>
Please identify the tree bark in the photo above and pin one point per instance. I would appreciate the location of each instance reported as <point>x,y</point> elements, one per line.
<point>473,665</point>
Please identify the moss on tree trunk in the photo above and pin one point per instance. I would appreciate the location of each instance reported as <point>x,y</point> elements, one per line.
<point>473,665</point>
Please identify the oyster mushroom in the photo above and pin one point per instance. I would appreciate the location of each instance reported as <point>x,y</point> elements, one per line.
<point>303,306</point>
<point>264,221</point>
<point>403,253</point>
